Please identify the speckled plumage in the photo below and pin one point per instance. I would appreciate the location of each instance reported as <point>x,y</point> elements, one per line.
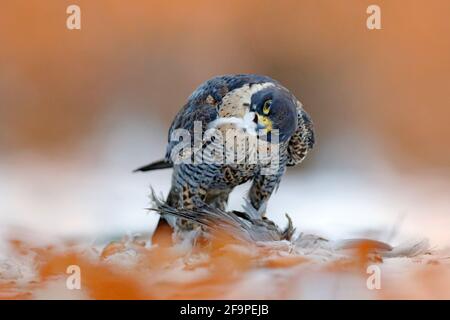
<point>195,185</point>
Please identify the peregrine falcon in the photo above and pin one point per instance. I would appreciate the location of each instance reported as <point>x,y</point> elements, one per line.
<point>248,105</point>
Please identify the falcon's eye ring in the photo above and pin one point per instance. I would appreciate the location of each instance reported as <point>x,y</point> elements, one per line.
<point>266,107</point>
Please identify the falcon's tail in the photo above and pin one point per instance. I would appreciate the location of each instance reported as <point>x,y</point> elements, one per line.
<point>160,164</point>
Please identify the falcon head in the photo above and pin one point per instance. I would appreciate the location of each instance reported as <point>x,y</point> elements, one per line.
<point>274,109</point>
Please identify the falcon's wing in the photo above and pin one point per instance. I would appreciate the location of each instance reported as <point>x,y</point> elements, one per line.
<point>186,119</point>
<point>303,139</point>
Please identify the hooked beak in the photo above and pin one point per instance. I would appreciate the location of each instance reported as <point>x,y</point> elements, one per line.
<point>263,123</point>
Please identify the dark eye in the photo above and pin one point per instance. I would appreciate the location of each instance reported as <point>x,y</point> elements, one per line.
<point>266,107</point>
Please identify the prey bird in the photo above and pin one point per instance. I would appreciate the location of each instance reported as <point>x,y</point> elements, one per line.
<point>242,226</point>
<point>248,104</point>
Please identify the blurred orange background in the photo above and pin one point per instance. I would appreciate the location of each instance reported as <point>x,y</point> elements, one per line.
<point>57,84</point>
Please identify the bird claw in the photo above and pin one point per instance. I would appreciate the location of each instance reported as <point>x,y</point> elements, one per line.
<point>289,230</point>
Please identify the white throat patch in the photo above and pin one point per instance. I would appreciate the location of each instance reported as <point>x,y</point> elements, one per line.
<point>245,123</point>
